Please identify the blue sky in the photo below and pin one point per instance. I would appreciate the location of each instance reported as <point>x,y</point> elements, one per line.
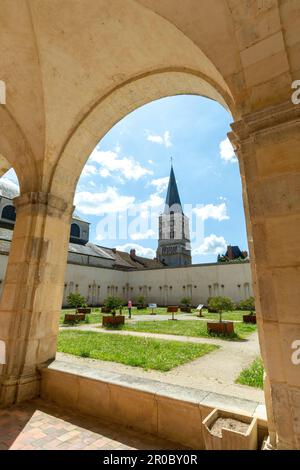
<point>123,186</point>
<point>130,169</point>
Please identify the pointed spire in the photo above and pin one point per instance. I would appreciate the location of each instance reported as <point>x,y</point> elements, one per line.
<point>173,202</point>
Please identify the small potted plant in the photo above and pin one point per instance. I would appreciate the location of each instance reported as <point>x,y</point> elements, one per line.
<point>185,305</point>
<point>84,309</point>
<point>77,301</point>
<point>249,306</point>
<point>105,309</point>
<point>140,302</point>
<point>221,327</point>
<point>113,320</point>
<point>224,430</point>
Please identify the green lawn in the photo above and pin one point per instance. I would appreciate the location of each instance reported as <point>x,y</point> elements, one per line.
<point>235,315</point>
<point>94,317</point>
<point>147,353</point>
<point>253,375</point>
<point>147,311</point>
<point>187,328</point>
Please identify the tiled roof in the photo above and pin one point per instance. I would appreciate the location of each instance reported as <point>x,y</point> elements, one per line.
<point>121,259</point>
<point>148,263</point>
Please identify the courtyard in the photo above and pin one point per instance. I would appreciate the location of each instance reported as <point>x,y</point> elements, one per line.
<point>217,368</point>
<point>213,168</point>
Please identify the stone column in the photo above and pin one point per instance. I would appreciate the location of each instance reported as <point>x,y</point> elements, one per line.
<point>268,148</point>
<point>32,293</point>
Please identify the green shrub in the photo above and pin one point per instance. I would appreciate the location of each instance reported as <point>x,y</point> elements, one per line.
<point>220,305</point>
<point>140,300</point>
<point>186,301</point>
<point>247,304</point>
<point>75,300</point>
<point>113,303</point>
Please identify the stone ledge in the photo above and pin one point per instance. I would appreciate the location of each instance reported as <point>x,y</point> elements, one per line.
<point>188,394</point>
<point>165,410</point>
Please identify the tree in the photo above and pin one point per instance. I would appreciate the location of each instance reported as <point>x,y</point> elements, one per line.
<point>220,305</point>
<point>247,304</point>
<point>75,300</point>
<point>113,303</point>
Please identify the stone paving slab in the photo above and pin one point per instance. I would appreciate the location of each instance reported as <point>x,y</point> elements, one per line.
<point>38,425</point>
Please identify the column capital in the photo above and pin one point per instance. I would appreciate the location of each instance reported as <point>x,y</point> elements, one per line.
<point>45,203</point>
<point>267,120</point>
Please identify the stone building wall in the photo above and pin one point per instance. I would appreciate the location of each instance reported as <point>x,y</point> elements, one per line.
<point>162,286</point>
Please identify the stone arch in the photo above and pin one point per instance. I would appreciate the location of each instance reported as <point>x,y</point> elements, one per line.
<point>119,103</point>
<point>16,152</point>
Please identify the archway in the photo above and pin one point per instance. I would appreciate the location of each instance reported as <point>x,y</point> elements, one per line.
<point>107,112</point>
<point>133,95</point>
<point>100,119</point>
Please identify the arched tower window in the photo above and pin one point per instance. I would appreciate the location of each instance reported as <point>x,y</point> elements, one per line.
<point>9,213</point>
<point>75,231</point>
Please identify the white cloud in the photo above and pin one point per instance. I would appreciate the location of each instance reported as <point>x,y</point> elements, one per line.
<point>226,151</point>
<point>109,201</point>
<point>89,170</point>
<point>211,211</point>
<point>153,203</point>
<point>164,139</point>
<point>143,235</point>
<point>104,172</point>
<point>151,162</point>
<point>111,162</point>
<point>140,250</point>
<point>211,245</point>
<point>160,184</point>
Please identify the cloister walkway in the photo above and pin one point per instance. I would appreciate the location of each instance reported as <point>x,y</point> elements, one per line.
<point>38,425</point>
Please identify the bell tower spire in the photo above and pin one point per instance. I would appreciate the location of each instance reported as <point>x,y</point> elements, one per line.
<point>174,243</point>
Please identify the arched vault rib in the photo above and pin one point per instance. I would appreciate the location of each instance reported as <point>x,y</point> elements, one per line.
<point>116,105</point>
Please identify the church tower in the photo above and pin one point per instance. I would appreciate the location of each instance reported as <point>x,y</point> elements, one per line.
<point>174,239</point>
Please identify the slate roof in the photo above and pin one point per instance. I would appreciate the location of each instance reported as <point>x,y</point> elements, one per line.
<point>8,189</point>
<point>118,259</point>
<point>76,217</point>
<point>89,249</point>
<point>172,200</point>
<point>6,234</point>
